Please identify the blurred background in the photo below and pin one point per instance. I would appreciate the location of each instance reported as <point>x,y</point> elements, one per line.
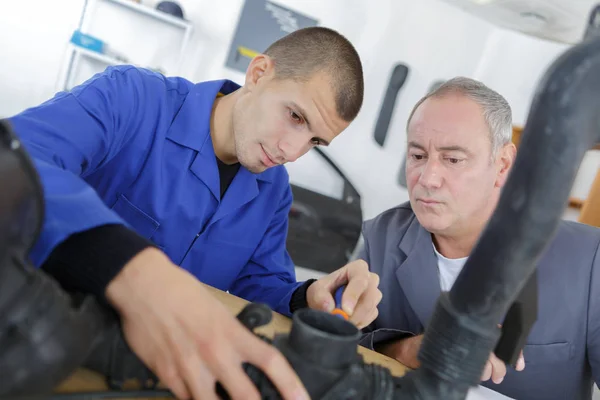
<point>407,47</point>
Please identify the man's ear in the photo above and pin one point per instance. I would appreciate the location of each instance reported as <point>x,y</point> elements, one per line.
<point>261,68</point>
<point>505,161</point>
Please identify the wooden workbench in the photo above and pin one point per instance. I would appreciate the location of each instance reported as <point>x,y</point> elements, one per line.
<point>84,380</point>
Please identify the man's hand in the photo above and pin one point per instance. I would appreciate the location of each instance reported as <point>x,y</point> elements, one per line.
<point>496,369</point>
<point>187,337</point>
<point>361,296</point>
<point>406,351</point>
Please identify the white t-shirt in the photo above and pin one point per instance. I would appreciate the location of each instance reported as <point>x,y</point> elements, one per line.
<point>448,269</point>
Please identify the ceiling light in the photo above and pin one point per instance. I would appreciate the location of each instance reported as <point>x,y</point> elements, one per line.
<point>533,19</point>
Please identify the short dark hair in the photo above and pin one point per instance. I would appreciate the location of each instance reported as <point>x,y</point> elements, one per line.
<point>302,53</point>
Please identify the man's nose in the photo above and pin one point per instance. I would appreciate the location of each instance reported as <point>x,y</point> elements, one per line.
<point>293,147</point>
<point>431,175</point>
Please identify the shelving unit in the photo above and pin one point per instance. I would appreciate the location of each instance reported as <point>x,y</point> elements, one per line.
<point>161,16</point>
<point>83,52</point>
<point>80,62</point>
<point>77,56</point>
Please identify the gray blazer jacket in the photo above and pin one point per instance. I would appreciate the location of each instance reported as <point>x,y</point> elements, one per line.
<point>562,354</point>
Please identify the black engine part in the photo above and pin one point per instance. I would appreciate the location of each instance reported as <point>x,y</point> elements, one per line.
<point>322,349</point>
<point>44,333</point>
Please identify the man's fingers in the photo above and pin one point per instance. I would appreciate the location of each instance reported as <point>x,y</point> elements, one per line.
<point>498,369</point>
<point>163,362</point>
<point>238,385</point>
<point>370,318</point>
<point>487,371</point>
<point>358,283</point>
<point>269,360</point>
<point>322,299</point>
<point>198,378</point>
<point>520,362</point>
<point>363,313</point>
<point>170,377</point>
<point>229,372</point>
<point>224,362</point>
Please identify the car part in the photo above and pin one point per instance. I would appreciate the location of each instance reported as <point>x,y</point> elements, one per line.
<point>395,83</point>
<point>44,333</point>
<point>324,231</point>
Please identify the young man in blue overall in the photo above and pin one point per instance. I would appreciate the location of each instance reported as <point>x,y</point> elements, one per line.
<point>154,185</point>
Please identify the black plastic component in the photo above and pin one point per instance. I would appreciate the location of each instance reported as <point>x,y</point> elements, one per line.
<point>322,349</point>
<point>113,358</point>
<point>255,317</point>
<point>44,334</point>
<point>518,322</point>
<point>397,79</point>
<point>323,230</point>
<point>593,26</point>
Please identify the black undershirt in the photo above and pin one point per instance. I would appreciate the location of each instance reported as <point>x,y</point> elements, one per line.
<point>87,261</point>
<point>226,174</point>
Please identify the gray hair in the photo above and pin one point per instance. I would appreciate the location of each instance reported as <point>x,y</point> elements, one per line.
<point>496,110</point>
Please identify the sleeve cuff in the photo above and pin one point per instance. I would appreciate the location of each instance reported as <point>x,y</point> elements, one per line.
<point>86,262</point>
<point>298,299</point>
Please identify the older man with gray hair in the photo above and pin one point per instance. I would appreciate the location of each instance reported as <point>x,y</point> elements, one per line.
<point>459,157</point>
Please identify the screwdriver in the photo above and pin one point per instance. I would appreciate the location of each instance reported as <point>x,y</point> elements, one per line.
<point>338,303</point>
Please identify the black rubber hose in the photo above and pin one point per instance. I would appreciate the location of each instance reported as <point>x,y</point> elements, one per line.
<point>44,333</point>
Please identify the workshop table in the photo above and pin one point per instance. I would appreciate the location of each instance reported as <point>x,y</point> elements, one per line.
<point>84,380</point>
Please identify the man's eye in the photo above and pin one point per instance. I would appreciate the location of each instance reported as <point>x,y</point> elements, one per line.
<point>295,117</point>
<point>453,160</point>
<point>418,157</point>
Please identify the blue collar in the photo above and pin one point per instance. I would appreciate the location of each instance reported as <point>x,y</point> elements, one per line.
<point>191,126</point>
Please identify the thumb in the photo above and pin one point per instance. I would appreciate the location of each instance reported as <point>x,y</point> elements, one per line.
<point>319,296</point>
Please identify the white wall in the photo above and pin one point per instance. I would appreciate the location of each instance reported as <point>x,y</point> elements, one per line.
<point>33,34</point>
<point>419,34</point>
<point>436,41</point>
<point>513,64</point>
